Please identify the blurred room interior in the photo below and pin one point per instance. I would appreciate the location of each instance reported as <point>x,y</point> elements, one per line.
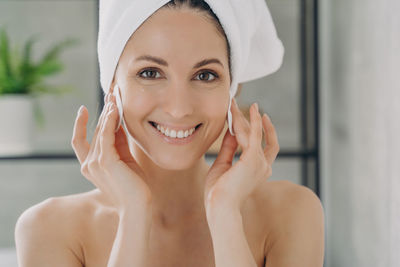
<point>335,104</point>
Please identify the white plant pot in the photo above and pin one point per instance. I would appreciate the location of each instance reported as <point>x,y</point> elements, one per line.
<point>16,125</point>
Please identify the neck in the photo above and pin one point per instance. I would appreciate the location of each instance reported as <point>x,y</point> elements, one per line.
<point>178,195</point>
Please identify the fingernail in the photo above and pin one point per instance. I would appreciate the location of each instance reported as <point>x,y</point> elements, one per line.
<point>256,106</point>
<point>80,110</point>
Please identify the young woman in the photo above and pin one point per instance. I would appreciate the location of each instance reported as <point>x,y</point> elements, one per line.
<point>157,201</point>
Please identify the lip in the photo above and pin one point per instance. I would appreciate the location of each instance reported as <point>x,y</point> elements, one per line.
<point>176,141</point>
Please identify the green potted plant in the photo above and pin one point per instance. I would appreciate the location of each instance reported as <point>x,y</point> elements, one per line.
<point>21,81</point>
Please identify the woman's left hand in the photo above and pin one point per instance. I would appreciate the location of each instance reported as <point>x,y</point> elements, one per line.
<point>230,185</point>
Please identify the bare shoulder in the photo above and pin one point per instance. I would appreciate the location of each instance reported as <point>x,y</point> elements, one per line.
<point>287,197</point>
<point>63,211</point>
<point>294,224</point>
<point>49,233</point>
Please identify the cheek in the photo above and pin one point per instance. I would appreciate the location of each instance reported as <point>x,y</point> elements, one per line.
<point>216,112</point>
<point>138,103</point>
<point>137,107</point>
<point>217,107</point>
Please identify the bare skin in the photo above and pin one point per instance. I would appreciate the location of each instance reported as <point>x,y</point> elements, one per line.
<point>160,190</point>
<point>81,229</point>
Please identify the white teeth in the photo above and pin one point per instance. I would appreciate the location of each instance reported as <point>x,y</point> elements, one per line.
<point>180,134</point>
<point>173,133</point>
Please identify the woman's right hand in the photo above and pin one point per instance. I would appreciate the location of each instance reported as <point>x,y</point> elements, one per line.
<point>107,161</point>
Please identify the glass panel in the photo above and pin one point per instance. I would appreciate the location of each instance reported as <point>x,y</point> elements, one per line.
<point>26,183</point>
<point>55,21</point>
<point>279,93</point>
<point>311,177</point>
<point>287,169</point>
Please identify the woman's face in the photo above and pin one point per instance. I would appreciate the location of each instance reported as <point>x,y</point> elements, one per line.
<point>174,72</point>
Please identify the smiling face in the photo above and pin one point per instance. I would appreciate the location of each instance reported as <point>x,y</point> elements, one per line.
<point>174,72</point>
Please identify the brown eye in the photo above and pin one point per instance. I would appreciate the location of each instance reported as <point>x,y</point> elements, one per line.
<point>206,76</point>
<point>149,74</point>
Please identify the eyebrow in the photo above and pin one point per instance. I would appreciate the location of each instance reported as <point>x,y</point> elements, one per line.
<point>162,62</point>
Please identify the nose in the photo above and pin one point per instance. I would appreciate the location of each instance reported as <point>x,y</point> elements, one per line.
<point>178,102</point>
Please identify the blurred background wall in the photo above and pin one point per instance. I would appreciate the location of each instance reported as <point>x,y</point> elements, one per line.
<point>360,107</point>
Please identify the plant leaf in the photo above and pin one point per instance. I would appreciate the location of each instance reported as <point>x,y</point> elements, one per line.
<point>38,115</point>
<point>53,53</point>
<point>4,52</point>
<point>26,64</point>
<point>48,68</point>
<point>51,89</point>
<point>20,75</point>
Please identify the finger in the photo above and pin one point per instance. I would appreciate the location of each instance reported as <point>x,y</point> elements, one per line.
<point>121,140</point>
<point>101,117</point>
<point>271,139</point>
<point>240,125</point>
<point>106,98</point>
<point>94,152</point>
<point>228,149</point>
<point>256,127</point>
<point>96,147</point>
<point>79,142</point>
<point>122,145</point>
<point>107,135</point>
<point>115,141</point>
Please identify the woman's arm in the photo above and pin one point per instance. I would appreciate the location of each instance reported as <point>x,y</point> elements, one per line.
<point>228,237</point>
<point>132,238</point>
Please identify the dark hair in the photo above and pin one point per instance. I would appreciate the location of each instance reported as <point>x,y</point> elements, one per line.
<point>201,5</point>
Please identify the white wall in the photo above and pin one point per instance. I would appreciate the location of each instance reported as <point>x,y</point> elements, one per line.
<point>360,60</point>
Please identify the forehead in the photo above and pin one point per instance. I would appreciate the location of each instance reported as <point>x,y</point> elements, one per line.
<point>177,33</point>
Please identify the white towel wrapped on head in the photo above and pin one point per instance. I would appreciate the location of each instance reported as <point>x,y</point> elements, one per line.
<point>256,50</point>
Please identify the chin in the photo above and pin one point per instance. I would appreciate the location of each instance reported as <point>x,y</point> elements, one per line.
<point>176,162</point>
